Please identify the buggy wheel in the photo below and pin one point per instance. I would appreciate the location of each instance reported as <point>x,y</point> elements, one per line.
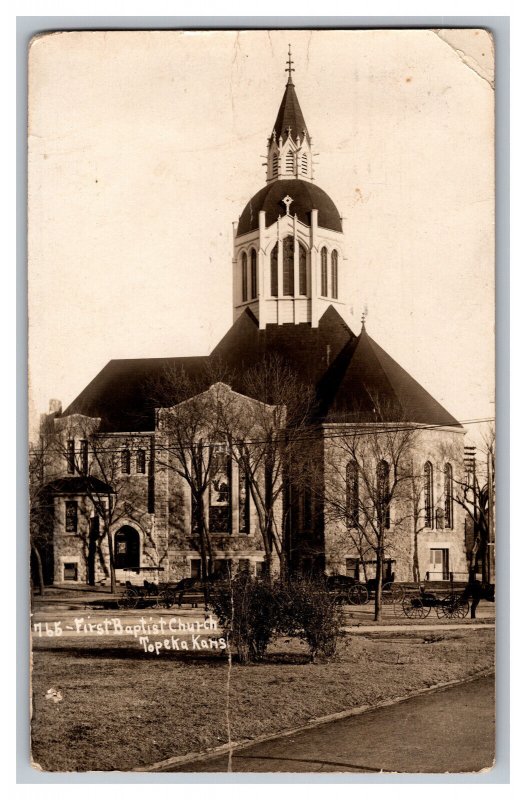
<point>414,608</point>
<point>168,599</point>
<point>129,599</point>
<point>358,595</point>
<point>442,609</point>
<point>393,593</point>
<point>461,609</point>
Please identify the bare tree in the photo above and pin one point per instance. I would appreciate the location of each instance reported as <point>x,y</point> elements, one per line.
<point>190,416</point>
<point>473,491</point>
<point>269,438</point>
<point>368,485</point>
<point>41,507</point>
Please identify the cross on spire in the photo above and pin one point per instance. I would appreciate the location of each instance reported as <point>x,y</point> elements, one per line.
<point>290,69</point>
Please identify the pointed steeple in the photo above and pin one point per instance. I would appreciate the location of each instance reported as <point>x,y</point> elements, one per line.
<point>289,145</point>
<point>290,120</point>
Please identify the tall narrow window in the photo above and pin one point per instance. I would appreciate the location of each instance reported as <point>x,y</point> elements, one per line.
<point>219,494</point>
<point>274,165</point>
<point>274,271</point>
<point>140,462</point>
<point>304,164</point>
<point>334,274</point>
<point>288,266</point>
<point>244,515</point>
<point>83,456</point>
<point>353,496</point>
<point>428,494</point>
<point>382,489</point>
<point>71,516</point>
<point>125,461</point>
<point>303,270</point>
<point>244,278</point>
<point>253,274</point>
<point>324,291</point>
<point>448,496</point>
<point>70,456</point>
<point>289,161</point>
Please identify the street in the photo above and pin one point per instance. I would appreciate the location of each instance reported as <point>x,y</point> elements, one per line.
<point>452,730</point>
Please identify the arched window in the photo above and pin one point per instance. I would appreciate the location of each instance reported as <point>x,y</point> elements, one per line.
<point>289,161</point>
<point>253,274</point>
<point>428,494</point>
<point>275,165</point>
<point>125,461</point>
<point>304,164</point>
<point>448,496</point>
<point>288,266</point>
<point>353,496</point>
<point>244,278</point>
<point>382,489</point>
<point>274,271</point>
<point>303,270</point>
<point>334,274</point>
<point>324,289</point>
<point>140,463</point>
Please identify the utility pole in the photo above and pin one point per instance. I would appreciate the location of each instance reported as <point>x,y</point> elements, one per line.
<point>491,533</point>
<point>470,467</point>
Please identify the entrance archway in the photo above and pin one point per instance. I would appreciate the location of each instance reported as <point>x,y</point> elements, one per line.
<point>127,548</point>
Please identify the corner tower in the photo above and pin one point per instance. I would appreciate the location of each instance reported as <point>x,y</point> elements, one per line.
<point>288,243</point>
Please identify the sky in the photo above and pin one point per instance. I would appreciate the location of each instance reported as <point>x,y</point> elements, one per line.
<point>144,148</point>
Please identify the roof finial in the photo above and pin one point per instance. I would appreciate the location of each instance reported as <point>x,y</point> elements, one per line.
<point>364,315</point>
<point>290,69</point>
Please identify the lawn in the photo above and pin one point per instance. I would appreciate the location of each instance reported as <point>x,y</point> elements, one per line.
<point>123,708</point>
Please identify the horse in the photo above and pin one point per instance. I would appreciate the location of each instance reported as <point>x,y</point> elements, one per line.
<point>477,591</point>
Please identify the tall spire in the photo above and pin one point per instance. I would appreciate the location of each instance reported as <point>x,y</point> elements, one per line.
<point>289,145</point>
<point>290,120</point>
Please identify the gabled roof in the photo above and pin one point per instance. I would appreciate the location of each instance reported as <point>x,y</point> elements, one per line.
<point>365,384</point>
<point>290,116</point>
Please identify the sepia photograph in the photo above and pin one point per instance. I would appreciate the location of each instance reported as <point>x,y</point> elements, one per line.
<point>261,371</point>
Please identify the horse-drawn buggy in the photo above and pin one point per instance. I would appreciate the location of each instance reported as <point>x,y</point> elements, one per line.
<point>418,604</point>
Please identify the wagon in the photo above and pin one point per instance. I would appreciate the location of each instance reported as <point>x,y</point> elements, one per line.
<point>346,589</point>
<point>418,606</point>
<point>150,595</point>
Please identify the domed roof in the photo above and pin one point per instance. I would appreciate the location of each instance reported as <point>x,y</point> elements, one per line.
<point>305,197</point>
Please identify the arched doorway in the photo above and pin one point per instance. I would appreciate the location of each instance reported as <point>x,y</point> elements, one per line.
<point>127,548</point>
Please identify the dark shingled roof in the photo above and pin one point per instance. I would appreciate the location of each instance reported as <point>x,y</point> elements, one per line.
<point>290,116</point>
<point>308,350</point>
<point>351,374</point>
<point>123,393</point>
<point>79,484</point>
<point>365,384</point>
<point>305,196</point>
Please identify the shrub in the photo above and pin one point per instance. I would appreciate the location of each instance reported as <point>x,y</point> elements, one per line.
<point>247,611</point>
<point>309,611</point>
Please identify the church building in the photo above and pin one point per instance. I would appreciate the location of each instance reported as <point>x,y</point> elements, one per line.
<point>291,292</point>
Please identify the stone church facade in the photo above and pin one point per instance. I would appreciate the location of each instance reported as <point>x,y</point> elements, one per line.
<point>290,294</point>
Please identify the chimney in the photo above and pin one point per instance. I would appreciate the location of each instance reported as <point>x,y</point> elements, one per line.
<point>55,407</point>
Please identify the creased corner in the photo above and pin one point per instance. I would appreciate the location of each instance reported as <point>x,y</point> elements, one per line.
<point>474,47</point>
